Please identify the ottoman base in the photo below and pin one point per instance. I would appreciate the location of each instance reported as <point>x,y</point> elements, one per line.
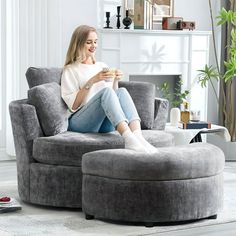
<point>152,201</point>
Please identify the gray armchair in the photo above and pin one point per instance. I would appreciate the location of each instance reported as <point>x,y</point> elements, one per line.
<point>49,157</point>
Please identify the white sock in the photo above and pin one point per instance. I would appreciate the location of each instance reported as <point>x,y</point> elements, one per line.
<point>138,134</point>
<point>131,142</point>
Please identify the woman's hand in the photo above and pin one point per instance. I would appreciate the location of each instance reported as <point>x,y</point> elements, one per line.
<point>103,75</point>
<point>118,74</point>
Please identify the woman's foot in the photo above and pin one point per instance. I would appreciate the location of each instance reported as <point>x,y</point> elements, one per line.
<point>132,143</point>
<point>138,134</point>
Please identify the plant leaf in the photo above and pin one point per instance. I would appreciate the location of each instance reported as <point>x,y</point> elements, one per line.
<point>207,74</point>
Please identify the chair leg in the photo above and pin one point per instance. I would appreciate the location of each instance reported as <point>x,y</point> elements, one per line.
<point>149,224</point>
<point>213,217</point>
<point>88,217</point>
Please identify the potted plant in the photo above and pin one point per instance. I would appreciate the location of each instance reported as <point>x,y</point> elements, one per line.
<point>176,98</point>
<point>224,75</point>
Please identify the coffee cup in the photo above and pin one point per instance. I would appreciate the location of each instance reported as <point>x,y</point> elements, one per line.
<point>111,71</point>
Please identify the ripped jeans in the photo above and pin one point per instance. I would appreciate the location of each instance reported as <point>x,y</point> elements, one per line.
<point>104,111</point>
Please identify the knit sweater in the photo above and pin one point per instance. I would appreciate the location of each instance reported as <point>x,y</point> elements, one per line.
<point>75,76</point>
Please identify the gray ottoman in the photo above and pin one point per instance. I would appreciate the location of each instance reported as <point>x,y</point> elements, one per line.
<point>177,184</point>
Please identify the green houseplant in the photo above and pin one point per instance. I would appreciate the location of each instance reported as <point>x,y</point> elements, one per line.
<point>176,98</point>
<point>226,74</point>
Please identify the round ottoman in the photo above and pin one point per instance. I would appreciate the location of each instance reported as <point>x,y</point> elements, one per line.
<point>177,184</point>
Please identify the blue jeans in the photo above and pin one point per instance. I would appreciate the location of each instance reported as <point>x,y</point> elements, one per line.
<point>104,112</point>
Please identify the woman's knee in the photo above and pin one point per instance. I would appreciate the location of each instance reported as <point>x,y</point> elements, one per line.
<point>108,93</point>
<point>121,91</point>
<point>107,90</point>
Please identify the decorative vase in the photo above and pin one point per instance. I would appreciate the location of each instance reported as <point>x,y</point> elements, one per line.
<point>127,20</point>
<point>174,116</point>
<point>108,21</point>
<point>118,17</point>
<point>185,114</point>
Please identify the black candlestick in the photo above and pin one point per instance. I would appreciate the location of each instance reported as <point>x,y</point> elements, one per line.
<point>127,20</point>
<point>108,20</point>
<point>118,17</point>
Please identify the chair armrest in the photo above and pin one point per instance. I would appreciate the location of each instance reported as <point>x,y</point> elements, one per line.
<point>160,113</point>
<point>24,117</point>
<point>26,128</point>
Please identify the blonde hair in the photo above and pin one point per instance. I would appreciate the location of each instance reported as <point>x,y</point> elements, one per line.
<point>75,51</point>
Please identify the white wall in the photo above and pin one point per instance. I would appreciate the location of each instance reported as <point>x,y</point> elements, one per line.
<point>73,14</point>
<point>192,10</point>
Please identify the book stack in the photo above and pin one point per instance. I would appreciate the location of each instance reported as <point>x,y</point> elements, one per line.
<point>8,204</point>
<point>194,125</point>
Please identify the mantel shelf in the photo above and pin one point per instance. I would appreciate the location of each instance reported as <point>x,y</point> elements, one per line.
<point>161,32</point>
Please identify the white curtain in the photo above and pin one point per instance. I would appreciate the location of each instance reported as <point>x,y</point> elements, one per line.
<point>30,36</point>
<point>24,42</point>
<point>9,67</point>
<point>12,65</point>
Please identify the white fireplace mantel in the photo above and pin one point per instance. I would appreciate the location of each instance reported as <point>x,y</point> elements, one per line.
<point>159,52</point>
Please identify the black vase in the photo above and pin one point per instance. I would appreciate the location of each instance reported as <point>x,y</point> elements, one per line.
<point>118,17</point>
<point>108,21</point>
<point>127,20</point>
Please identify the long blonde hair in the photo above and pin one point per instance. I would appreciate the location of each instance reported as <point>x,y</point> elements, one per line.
<point>75,51</point>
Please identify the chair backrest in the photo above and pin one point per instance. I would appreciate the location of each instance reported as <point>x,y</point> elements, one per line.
<point>143,95</point>
<point>45,95</point>
<point>37,76</point>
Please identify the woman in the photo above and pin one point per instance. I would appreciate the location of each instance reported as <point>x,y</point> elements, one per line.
<point>91,93</point>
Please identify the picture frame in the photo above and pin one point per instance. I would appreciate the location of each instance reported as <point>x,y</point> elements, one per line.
<point>162,8</point>
<point>140,12</point>
<point>151,19</point>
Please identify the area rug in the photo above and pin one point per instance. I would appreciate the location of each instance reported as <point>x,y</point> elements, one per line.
<point>37,220</point>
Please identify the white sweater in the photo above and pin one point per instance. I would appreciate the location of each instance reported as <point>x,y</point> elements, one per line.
<point>75,76</point>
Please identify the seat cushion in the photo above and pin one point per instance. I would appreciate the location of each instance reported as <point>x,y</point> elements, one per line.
<point>190,161</point>
<point>51,109</point>
<point>37,76</point>
<point>67,148</point>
